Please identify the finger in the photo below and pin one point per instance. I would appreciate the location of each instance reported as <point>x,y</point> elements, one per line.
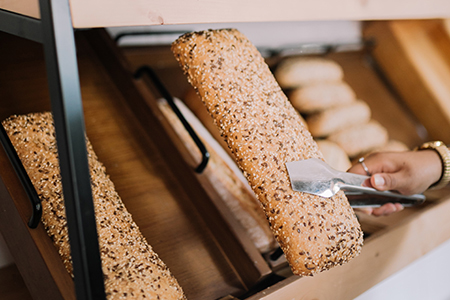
<point>386,181</point>
<point>384,210</point>
<point>365,210</point>
<point>357,169</point>
<point>398,207</point>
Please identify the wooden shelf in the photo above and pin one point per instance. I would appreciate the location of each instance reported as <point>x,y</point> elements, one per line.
<point>167,202</point>
<point>103,13</point>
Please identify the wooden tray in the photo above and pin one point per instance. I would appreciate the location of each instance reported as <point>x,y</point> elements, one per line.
<point>167,202</point>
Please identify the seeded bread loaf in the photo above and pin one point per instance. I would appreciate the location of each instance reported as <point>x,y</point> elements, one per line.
<point>132,270</point>
<point>264,132</point>
<point>296,72</point>
<point>224,176</point>
<point>320,96</point>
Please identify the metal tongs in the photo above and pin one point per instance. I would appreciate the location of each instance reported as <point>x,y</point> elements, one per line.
<point>316,177</point>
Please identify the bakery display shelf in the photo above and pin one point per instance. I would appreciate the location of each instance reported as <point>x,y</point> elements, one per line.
<point>103,13</point>
<point>389,240</point>
<point>214,260</point>
<point>157,186</point>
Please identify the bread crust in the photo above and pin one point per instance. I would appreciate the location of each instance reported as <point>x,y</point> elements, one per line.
<point>338,118</point>
<point>321,96</point>
<point>264,132</point>
<point>334,155</point>
<point>131,268</point>
<point>295,72</point>
<point>360,139</point>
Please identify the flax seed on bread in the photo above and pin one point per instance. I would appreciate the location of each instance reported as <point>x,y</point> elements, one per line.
<point>130,267</point>
<point>264,132</point>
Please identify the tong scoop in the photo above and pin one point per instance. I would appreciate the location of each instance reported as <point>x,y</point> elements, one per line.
<point>316,177</point>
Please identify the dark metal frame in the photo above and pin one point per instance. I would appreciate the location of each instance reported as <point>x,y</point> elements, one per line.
<point>168,97</point>
<point>56,33</point>
<point>36,207</point>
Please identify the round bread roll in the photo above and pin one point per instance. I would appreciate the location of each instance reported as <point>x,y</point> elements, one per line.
<point>320,96</point>
<point>334,155</point>
<point>301,71</point>
<point>360,139</point>
<point>391,146</point>
<point>264,131</point>
<point>338,118</point>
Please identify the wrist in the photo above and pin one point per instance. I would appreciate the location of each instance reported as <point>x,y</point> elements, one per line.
<point>444,155</point>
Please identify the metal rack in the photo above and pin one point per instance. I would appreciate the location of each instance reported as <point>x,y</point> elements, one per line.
<point>56,33</point>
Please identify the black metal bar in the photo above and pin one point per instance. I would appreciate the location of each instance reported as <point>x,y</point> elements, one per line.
<point>36,208</point>
<point>165,93</point>
<point>121,35</point>
<point>23,26</point>
<point>65,94</point>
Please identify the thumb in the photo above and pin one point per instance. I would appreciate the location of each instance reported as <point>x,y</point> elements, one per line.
<point>384,181</point>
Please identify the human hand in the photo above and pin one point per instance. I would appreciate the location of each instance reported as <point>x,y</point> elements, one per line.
<point>408,173</point>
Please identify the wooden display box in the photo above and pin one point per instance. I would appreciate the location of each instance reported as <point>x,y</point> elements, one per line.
<point>196,237</point>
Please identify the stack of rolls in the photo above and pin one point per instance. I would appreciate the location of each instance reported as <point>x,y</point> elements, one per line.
<point>131,269</point>
<point>340,122</point>
<point>264,132</point>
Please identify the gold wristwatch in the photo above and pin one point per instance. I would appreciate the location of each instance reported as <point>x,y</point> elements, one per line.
<point>444,154</point>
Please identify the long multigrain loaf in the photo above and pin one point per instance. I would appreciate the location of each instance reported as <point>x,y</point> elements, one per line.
<point>132,270</point>
<point>264,132</point>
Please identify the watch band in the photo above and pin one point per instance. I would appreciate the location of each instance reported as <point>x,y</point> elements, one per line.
<point>444,154</point>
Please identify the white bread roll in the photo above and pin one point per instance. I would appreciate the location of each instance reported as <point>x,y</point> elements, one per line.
<point>321,96</point>
<point>225,177</point>
<point>131,268</point>
<point>338,118</point>
<point>264,132</point>
<point>360,139</point>
<point>295,72</point>
<point>334,155</point>
<point>391,146</point>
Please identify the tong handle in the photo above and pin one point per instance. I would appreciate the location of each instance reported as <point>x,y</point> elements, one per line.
<point>360,196</point>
